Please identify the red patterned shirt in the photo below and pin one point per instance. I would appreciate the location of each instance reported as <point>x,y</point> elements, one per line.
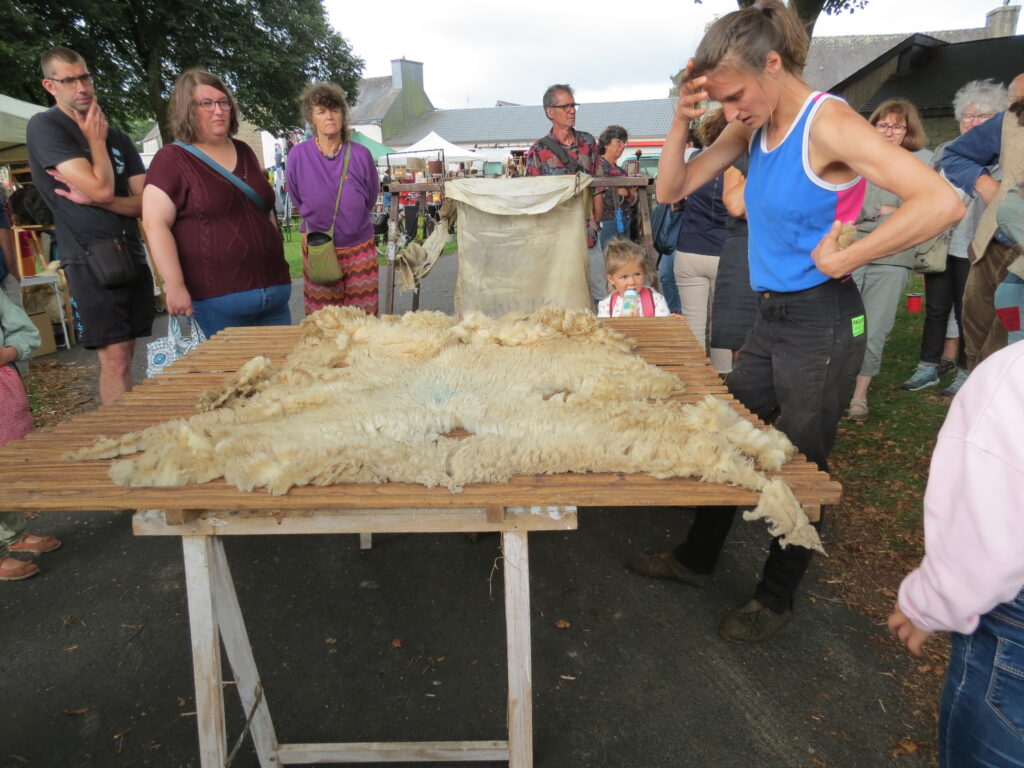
<point>541,161</point>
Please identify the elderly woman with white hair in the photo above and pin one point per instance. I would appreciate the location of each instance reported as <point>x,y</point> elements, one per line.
<point>973,104</point>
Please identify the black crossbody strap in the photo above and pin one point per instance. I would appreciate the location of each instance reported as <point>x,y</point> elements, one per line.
<point>571,164</point>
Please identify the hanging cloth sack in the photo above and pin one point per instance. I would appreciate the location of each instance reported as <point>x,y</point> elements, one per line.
<point>163,351</point>
<point>322,265</point>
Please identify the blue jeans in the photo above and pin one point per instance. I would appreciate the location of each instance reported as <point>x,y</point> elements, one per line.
<point>669,287</point>
<point>981,718</point>
<point>609,229</point>
<point>260,306</point>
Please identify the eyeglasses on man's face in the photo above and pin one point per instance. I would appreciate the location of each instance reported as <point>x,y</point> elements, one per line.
<point>566,107</point>
<point>83,79</point>
<point>208,105</point>
<point>895,128</point>
<point>972,117</point>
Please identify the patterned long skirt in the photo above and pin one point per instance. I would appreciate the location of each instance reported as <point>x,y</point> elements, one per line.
<point>358,284</point>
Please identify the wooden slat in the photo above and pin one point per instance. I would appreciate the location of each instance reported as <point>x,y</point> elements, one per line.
<point>393,752</point>
<point>334,521</point>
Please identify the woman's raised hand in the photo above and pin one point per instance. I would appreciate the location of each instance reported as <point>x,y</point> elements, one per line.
<point>692,94</point>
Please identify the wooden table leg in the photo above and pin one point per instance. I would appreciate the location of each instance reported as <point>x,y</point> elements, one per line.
<point>205,652</point>
<point>517,630</point>
<point>239,651</point>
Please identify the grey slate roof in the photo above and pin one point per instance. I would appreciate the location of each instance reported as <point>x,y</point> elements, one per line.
<point>375,98</point>
<point>831,60</point>
<point>518,125</point>
<point>941,71</point>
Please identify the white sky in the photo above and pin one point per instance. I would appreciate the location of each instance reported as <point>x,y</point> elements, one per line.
<point>475,52</point>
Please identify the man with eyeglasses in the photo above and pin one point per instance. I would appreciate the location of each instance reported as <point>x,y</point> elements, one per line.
<point>566,151</point>
<point>966,162</point>
<point>91,176</point>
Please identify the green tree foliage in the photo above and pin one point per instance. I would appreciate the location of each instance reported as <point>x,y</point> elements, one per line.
<point>807,10</point>
<point>265,50</point>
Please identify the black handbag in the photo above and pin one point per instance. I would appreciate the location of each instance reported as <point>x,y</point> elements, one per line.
<point>111,263</point>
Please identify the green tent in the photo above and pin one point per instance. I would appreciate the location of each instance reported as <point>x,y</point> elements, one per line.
<point>376,148</point>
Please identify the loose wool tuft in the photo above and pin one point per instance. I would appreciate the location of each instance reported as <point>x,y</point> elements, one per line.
<point>365,399</point>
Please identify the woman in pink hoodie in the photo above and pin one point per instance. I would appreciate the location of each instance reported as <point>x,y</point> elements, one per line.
<point>971,581</point>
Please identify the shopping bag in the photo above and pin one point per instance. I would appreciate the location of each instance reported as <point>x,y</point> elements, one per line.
<point>163,351</point>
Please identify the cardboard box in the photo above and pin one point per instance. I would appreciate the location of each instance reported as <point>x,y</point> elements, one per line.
<point>48,344</point>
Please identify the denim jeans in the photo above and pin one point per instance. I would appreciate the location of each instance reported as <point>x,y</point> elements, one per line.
<point>796,371</point>
<point>667,277</point>
<point>609,230</point>
<point>260,306</point>
<point>981,718</point>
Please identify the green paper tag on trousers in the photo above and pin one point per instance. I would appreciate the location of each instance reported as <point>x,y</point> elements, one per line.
<point>857,324</point>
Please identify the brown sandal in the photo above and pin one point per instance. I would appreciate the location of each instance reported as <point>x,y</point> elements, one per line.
<point>13,569</point>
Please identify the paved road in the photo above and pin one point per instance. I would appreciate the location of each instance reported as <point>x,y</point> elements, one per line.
<point>97,665</point>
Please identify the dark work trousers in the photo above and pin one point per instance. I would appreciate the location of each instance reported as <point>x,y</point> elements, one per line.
<point>795,371</point>
<point>944,291</point>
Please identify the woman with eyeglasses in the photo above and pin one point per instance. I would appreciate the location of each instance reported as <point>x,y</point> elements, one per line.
<point>617,211</point>
<point>315,168</point>
<point>881,282</point>
<point>209,215</point>
<point>942,344</point>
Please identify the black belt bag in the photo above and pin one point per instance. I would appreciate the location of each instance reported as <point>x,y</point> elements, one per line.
<point>111,263</point>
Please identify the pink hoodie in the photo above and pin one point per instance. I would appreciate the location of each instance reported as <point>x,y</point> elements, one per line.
<point>974,504</point>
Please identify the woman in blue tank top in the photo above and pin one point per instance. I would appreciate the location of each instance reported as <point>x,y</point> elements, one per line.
<point>809,156</point>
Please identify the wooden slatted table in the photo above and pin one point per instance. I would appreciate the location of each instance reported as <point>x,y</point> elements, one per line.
<point>35,478</point>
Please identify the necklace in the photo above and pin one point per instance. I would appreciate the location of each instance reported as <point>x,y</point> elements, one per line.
<point>328,155</point>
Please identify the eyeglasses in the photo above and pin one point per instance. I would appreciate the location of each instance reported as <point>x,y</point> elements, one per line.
<point>970,117</point>
<point>83,79</point>
<point>565,107</point>
<point>894,127</point>
<point>207,105</point>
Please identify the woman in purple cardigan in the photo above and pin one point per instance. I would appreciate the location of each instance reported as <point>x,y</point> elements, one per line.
<point>313,172</point>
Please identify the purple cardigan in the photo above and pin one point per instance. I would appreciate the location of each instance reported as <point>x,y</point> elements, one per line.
<point>313,187</point>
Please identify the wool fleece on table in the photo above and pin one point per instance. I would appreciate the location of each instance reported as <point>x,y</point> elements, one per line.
<point>363,399</point>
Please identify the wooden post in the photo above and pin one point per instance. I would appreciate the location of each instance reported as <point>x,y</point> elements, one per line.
<point>205,652</point>
<point>517,631</point>
<point>389,271</point>
<point>239,651</point>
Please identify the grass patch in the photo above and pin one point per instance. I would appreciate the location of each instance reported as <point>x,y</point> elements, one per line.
<point>875,536</point>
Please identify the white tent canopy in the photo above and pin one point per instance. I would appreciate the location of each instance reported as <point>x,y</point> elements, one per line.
<point>432,142</point>
<point>14,115</point>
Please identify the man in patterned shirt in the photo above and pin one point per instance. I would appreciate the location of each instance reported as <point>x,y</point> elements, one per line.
<point>566,150</point>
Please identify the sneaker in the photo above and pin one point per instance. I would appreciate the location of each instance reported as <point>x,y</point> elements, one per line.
<point>945,366</point>
<point>753,623</point>
<point>13,569</point>
<point>663,565</point>
<point>926,375</point>
<point>955,384</point>
<point>35,544</point>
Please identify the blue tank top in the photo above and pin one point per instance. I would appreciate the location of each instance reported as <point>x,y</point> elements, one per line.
<point>789,208</point>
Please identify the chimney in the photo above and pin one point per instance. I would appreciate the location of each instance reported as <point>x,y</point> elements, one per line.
<point>404,72</point>
<point>1002,21</point>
